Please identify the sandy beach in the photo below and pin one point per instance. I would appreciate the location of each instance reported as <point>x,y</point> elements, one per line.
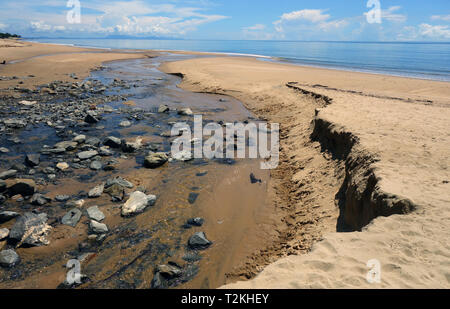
<point>364,171</point>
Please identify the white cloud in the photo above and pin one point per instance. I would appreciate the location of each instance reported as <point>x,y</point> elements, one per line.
<point>441,17</point>
<point>391,16</point>
<point>434,32</point>
<point>255,27</point>
<point>314,16</point>
<point>3,26</point>
<point>40,26</point>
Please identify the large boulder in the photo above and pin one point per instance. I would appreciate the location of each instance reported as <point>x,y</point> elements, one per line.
<point>137,203</point>
<point>30,229</point>
<point>156,159</point>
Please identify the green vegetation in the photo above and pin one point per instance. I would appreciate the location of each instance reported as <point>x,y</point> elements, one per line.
<point>8,35</point>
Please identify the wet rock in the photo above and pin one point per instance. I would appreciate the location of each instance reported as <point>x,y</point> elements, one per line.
<point>79,139</point>
<point>24,187</point>
<point>15,123</point>
<point>198,241</point>
<point>39,199</point>
<point>62,166</point>
<point>87,154</point>
<point>4,150</point>
<point>105,152</point>
<point>125,124</point>
<point>2,186</point>
<point>8,174</point>
<point>93,141</point>
<point>154,160</point>
<point>4,233</point>
<point>253,179</point>
<point>192,197</point>
<point>66,145</point>
<point>169,271</point>
<point>137,203</point>
<point>163,109</point>
<point>112,142</point>
<point>184,156</point>
<point>116,191</point>
<point>6,216</point>
<point>196,221</point>
<point>96,165</point>
<point>185,112</point>
<point>120,181</point>
<point>72,217</point>
<point>30,229</point>
<point>96,191</point>
<point>9,258</point>
<point>2,199</point>
<point>32,160</point>
<point>62,198</point>
<point>91,117</point>
<point>97,227</point>
<point>95,213</point>
<point>130,147</point>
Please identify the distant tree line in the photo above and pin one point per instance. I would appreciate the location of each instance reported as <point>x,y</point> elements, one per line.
<point>8,35</point>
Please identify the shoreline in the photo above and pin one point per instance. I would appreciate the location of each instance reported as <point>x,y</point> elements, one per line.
<point>279,59</point>
<point>314,170</point>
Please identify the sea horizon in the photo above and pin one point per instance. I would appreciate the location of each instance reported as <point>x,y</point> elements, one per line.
<point>421,60</point>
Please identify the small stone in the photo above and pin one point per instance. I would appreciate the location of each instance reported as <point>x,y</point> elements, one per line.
<point>62,198</point>
<point>8,174</point>
<point>125,124</point>
<point>95,213</point>
<point>87,154</point>
<point>62,166</point>
<point>192,197</point>
<point>91,117</point>
<point>39,199</point>
<point>154,160</point>
<point>66,145</point>
<point>96,191</point>
<point>98,228</point>
<point>163,109</point>
<point>185,112</point>
<point>196,221</point>
<point>184,155</point>
<point>198,241</point>
<point>6,216</point>
<point>4,233</point>
<point>79,139</point>
<point>137,203</point>
<point>120,181</point>
<point>96,165</point>
<point>113,142</point>
<point>72,217</point>
<point>169,271</point>
<point>9,258</point>
<point>32,160</point>
<point>4,150</point>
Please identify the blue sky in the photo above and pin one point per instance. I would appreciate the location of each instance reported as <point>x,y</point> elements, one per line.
<point>401,20</point>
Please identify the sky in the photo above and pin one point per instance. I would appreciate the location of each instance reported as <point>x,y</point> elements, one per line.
<point>316,20</point>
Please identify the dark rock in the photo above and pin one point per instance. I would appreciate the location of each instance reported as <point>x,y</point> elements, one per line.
<point>72,217</point>
<point>198,241</point>
<point>9,258</point>
<point>116,191</point>
<point>120,181</point>
<point>24,187</point>
<point>32,160</point>
<point>192,197</point>
<point>6,216</point>
<point>91,117</point>
<point>158,282</point>
<point>30,229</point>
<point>196,221</point>
<point>253,179</point>
<point>2,186</point>
<point>112,142</point>
<point>2,199</point>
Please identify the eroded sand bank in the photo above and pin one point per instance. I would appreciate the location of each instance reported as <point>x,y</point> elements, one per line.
<point>360,145</point>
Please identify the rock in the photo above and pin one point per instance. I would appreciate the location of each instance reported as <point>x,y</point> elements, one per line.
<point>4,150</point>
<point>184,155</point>
<point>116,191</point>
<point>79,139</point>
<point>9,258</point>
<point>49,170</point>
<point>185,112</point>
<point>72,217</point>
<point>24,187</point>
<point>96,165</point>
<point>8,174</point>
<point>169,271</point>
<point>196,221</point>
<point>39,200</point>
<point>113,142</point>
<point>156,159</point>
<point>62,166</point>
<point>198,241</point>
<point>27,103</point>
<point>62,198</point>
<point>91,117</point>
<point>192,197</point>
<point>6,216</point>
<point>2,186</point>
<point>95,214</point>
<point>15,123</point>
<point>163,109</point>
<point>4,233</point>
<point>120,181</point>
<point>32,160</point>
<point>105,152</point>
<point>2,199</point>
<point>84,155</point>
<point>125,124</point>
<point>51,176</point>
<point>158,282</point>
<point>97,191</point>
<point>66,145</point>
<point>30,229</point>
<point>98,228</point>
<point>130,147</point>
<point>93,141</point>
<point>137,203</point>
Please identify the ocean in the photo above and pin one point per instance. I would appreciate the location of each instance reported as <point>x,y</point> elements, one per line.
<point>416,60</point>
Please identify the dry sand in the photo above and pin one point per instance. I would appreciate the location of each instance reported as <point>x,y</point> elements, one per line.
<point>370,145</point>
